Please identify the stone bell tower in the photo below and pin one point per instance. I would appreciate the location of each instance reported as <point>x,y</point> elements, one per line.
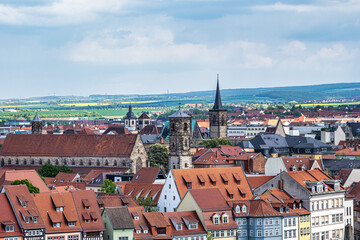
<point>179,141</point>
<point>218,117</point>
<point>36,125</point>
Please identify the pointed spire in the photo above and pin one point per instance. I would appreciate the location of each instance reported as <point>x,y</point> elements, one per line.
<point>218,104</point>
<point>36,118</point>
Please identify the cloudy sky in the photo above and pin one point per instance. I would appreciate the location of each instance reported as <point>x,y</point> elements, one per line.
<point>82,47</point>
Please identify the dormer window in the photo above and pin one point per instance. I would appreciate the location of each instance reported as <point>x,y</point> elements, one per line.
<point>27,219</point>
<point>313,189</point>
<point>56,225</point>
<point>138,231</point>
<point>287,209</point>
<point>193,226</point>
<point>216,220</point>
<point>294,168</point>
<point>9,228</point>
<point>179,227</point>
<point>303,168</point>
<point>35,219</point>
<point>237,209</point>
<point>72,224</point>
<point>145,231</point>
<point>319,188</point>
<point>294,206</point>
<point>326,188</point>
<point>225,218</point>
<point>281,209</point>
<point>60,209</point>
<point>243,209</point>
<point>300,205</point>
<point>136,218</point>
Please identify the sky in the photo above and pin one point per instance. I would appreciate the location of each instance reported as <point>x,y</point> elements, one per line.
<point>83,47</point>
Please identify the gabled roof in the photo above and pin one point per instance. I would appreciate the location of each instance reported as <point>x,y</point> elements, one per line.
<point>7,217</point>
<point>69,145</point>
<point>120,218</point>
<point>237,181</point>
<point>65,177</point>
<point>209,199</point>
<point>17,193</point>
<point>115,200</point>
<point>156,219</point>
<point>144,116</point>
<point>139,190</point>
<point>36,118</point>
<point>46,204</point>
<point>148,175</point>
<point>181,217</point>
<point>85,198</point>
<point>257,181</point>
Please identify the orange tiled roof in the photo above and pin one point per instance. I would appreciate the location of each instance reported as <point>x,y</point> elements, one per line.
<point>237,183</point>
<point>139,190</point>
<point>47,203</point>
<point>180,217</point>
<point>209,199</point>
<point>257,181</point>
<point>31,175</point>
<point>17,193</point>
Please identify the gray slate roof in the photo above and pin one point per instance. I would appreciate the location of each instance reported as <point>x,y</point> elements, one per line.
<point>120,217</point>
<point>36,118</point>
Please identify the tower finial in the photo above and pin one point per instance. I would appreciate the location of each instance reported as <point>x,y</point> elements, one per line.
<point>217,104</point>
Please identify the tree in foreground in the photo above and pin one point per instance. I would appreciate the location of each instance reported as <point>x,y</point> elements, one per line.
<point>32,188</point>
<point>148,204</point>
<point>158,156</point>
<point>108,186</point>
<point>212,143</point>
<point>49,170</point>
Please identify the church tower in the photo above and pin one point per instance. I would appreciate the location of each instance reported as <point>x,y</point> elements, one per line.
<point>179,141</point>
<point>36,125</point>
<point>130,119</point>
<point>218,117</point>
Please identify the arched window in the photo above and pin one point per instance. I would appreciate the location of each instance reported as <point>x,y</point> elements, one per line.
<point>9,161</point>
<point>41,162</point>
<point>185,126</point>
<point>73,162</point>
<point>32,161</point>
<point>106,162</point>
<point>90,163</point>
<point>81,162</point>
<point>57,162</point>
<point>115,163</point>
<point>243,209</point>
<point>98,162</point>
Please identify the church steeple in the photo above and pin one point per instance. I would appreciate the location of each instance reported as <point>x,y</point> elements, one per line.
<point>36,125</point>
<point>218,116</point>
<point>218,104</point>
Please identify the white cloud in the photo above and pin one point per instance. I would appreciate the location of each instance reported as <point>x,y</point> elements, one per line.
<point>157,45</point>
<point>335,6</point>
<point>294,48</point>
<point>60,12</point>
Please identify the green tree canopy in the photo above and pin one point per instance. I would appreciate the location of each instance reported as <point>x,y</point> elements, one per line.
<point>49,170</point>
<point>212,143</point>
<point>32,188</point>
<point>158,156</point>
<point>148,204</point>
<point>108,186</point>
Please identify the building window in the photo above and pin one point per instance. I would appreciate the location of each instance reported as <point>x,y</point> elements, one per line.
<point>216,220</point>
<point>258,222</point>
<point>73,224</point>
<point>258,233</point>
<point>9,228</point>
<point>123,238</point>
<point>231,233</point>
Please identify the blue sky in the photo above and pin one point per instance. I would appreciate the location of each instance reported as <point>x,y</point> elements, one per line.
<point>82,47</point>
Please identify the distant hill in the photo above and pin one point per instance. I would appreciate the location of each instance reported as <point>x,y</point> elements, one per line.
<point>297,93</point>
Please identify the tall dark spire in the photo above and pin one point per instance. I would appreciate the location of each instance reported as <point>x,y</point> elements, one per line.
<point>218,104</point>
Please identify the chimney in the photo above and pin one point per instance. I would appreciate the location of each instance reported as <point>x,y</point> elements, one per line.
<point>161,140</point>
<point>281,184</point>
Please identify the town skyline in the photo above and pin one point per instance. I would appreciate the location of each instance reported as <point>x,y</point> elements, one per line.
<point>127,47</point>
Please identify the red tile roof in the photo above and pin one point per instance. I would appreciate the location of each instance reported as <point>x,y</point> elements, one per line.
<point>146,175</point>
<point>139,190</point>
<point>209,199</point>
<point>7,217</point>
<point>69,145</point>
<point>257,181</point>
<point>237,181</point>
<point>9,176</point>
<point>180,217</point>
<point>87,198</point>
<point>47,204</point>
<point>16,192</point>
